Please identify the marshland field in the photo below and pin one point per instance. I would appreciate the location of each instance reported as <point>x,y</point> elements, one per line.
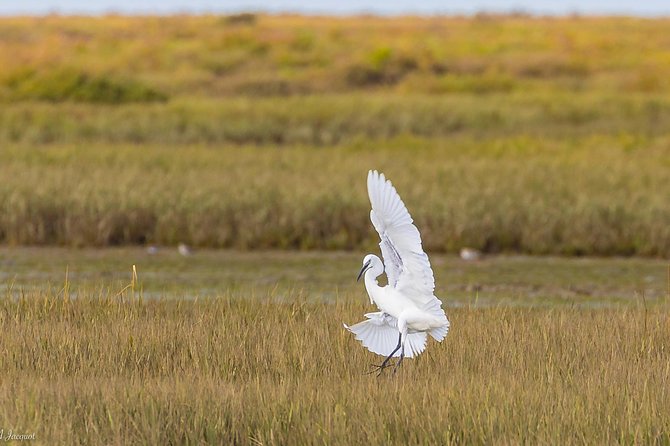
<point>542,142</point>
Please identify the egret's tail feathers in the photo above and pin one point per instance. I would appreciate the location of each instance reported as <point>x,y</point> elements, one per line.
<point>416,344</point>
<point>439,333</point>
<point>380,338</point>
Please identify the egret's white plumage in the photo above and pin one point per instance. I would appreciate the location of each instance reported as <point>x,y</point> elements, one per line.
<point>409,309</point>
<point>379,334</point>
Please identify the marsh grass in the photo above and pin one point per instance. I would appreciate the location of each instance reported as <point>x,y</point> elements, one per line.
<point>344,119</point>
<point>588,195</point>
<point>270,55</point>
<point>70,85</point>
<point>503,133</point>
<point>103,369</point>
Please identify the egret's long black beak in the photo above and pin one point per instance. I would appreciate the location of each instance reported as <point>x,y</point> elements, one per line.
<point>364,269</point>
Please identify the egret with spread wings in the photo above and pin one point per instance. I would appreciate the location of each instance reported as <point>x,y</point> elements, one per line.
<point>409,309</point>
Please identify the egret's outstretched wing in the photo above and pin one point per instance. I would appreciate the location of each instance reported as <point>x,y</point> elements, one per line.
<point>407,266</point>
<point>379,334</point>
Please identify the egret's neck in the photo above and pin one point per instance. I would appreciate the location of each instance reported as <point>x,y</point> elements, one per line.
<point>371,284</point>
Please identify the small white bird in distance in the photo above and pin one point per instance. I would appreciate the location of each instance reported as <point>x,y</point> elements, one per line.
<point>470,254</point>
<point>184,249</point>
<point>409,309</point>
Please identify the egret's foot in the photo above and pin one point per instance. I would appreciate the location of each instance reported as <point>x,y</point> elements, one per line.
<point>385,363</point>
<point>378,368</point>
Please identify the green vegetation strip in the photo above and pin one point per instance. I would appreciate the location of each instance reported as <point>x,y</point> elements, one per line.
<point>370,118</point>
<point>163,273</point>
<point>595,194</point>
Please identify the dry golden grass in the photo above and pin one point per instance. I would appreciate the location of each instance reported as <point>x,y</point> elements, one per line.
<point>271,370</point>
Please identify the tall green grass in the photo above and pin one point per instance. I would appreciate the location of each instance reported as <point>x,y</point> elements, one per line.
<point>587,195</point>
<point>115,370</point>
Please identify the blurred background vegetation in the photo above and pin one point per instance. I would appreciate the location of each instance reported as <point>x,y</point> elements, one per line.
<point>506,133</point>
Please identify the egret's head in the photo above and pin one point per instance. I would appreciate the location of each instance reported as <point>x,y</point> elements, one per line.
<point>371,262</point>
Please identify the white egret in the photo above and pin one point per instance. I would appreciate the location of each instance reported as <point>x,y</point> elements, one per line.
<point>409,309</point>
<point>184,249</point>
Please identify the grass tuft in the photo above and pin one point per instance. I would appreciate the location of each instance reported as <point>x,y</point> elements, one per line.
<point>71,85</point>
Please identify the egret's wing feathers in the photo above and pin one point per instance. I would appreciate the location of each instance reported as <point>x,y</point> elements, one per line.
<point>392,259</point>
<point>379,334</point>
<point>389,216</point>
<point>407,266</point>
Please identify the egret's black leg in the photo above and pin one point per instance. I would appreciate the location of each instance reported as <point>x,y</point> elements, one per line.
<point>384,364</point>
<point>402,356</point>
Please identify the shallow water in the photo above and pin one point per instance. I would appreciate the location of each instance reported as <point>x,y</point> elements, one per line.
<point>326,276</point>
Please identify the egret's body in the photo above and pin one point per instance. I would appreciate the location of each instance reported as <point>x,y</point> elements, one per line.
<point>409,309</point>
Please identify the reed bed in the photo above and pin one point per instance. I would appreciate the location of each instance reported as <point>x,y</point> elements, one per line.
<point>599,195</point>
